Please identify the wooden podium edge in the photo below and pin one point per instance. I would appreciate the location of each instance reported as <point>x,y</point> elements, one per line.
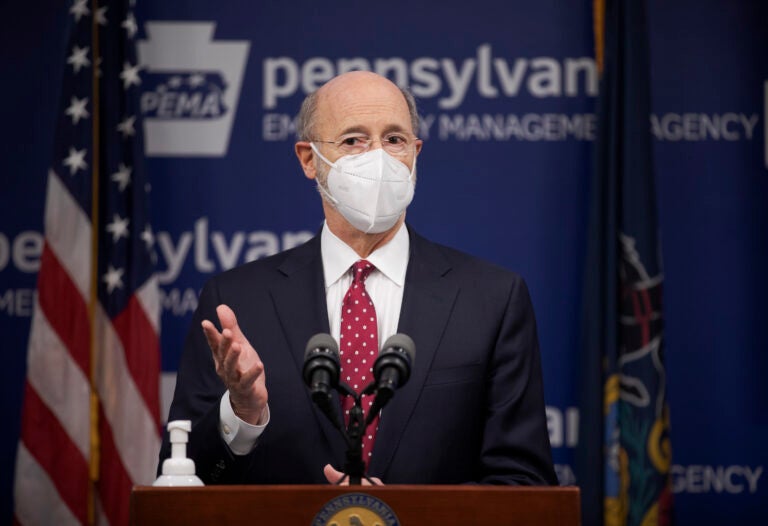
<point>444,505</point>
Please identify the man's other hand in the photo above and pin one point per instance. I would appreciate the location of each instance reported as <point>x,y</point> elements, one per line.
<point>333,476</point>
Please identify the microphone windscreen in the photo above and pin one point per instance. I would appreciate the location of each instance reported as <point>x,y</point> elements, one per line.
<point>401,341</point>
<point>322,341</point>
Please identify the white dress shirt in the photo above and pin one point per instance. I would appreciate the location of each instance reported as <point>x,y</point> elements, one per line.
<point>385,288</point>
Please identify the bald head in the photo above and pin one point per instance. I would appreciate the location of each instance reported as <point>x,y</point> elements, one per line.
<point>352,91</point>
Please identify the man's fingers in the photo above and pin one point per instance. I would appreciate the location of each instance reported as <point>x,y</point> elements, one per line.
<point>211,333</point>
<point>233,368</point>
<point>228,319</point>
<point>230,358</point>
<point>333,476</point>
<point>252,374</point>
<point>214,338</point>
<point>228,346</point>
<point>217,341</point>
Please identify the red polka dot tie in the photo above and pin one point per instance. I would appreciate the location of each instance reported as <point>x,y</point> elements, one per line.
<point>359,347</point>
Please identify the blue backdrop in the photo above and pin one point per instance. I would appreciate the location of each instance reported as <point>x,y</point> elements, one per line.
<point>507,93</point>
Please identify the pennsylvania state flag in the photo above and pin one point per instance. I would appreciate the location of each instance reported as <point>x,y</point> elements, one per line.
<point>625,453</point>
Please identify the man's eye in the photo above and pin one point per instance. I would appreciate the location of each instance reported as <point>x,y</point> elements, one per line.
<point>352,141</point>
<point>395,139</point>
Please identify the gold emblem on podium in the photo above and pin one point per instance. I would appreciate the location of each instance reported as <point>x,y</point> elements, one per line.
<point>356,509</point>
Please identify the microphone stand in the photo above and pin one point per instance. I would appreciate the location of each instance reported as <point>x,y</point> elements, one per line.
<point>396,357</point>
<point>354,466</point>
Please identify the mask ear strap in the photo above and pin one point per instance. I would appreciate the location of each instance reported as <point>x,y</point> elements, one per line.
<point>320,187</point>
<point>327,194</point>
<point>326,161</point>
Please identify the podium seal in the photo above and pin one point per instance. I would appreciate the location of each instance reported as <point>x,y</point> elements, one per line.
<point>356,509</point>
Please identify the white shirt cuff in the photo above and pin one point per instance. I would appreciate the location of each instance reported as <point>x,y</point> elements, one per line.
<point>239,435</point>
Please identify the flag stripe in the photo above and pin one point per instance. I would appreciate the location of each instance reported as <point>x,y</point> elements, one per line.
<point>101,518</point>
<point>140,344</point>
<point>65,308</point>
<point>46,507</point>
<point>64,464</point>
<point>68,232</point>
<point>59,381</point>
<point>115,489</point>
<point>137,439</point>
<point>150,301</point>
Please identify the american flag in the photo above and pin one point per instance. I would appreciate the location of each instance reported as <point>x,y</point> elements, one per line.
<point>90,424</point>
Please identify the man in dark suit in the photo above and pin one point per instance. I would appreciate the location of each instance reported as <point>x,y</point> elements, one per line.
<point>473,409</point>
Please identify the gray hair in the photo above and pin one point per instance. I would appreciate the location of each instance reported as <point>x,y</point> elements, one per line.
<point>305,122</point>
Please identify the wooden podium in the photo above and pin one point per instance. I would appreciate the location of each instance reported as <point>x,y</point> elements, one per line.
<point>299,505</point>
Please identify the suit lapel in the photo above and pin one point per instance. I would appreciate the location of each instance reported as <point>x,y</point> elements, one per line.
<point>428,299</point>
<point>300,303</point>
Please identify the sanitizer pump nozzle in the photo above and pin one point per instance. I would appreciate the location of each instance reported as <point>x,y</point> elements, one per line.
<point>178,470</point>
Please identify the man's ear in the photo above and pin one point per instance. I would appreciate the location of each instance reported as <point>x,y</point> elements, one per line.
<point>306,158</point>
<point>419,144</point>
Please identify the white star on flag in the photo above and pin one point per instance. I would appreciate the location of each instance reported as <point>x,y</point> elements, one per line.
<point>79,58</point>
<point>101,16</point>
<point>122,176</point>
<point>174,82</point>
<point>126,127</point>
<point>118,228</point>
<point>75,160</point>
<point>80,9</point>
<point>77,109</point>
<point>113,278</point>
<point>196,80</point>
<point>130,75</point>
<point>130,25</point>
<point>148,237</point>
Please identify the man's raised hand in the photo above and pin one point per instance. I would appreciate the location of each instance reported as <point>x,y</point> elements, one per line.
<point>238,365</point>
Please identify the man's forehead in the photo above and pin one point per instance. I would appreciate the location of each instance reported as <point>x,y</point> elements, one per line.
<point>358,102</point>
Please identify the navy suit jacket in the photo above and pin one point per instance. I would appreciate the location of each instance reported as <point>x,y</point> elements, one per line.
<point>472,411</point>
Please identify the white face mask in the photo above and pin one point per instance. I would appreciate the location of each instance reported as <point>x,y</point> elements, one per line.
<point>371,189</point>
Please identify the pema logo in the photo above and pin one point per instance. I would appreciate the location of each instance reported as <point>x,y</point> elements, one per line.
<point>192,85</point>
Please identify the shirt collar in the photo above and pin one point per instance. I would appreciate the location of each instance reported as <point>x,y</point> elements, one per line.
<point>390,259</point>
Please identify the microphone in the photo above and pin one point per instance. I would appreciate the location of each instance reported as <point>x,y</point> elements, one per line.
<point>391,370</point>
<point>321,372</point>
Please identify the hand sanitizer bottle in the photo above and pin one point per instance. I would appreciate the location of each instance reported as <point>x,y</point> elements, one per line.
<point>178,470</point>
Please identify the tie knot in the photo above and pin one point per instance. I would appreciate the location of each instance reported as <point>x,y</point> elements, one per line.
<point>361,270</point>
